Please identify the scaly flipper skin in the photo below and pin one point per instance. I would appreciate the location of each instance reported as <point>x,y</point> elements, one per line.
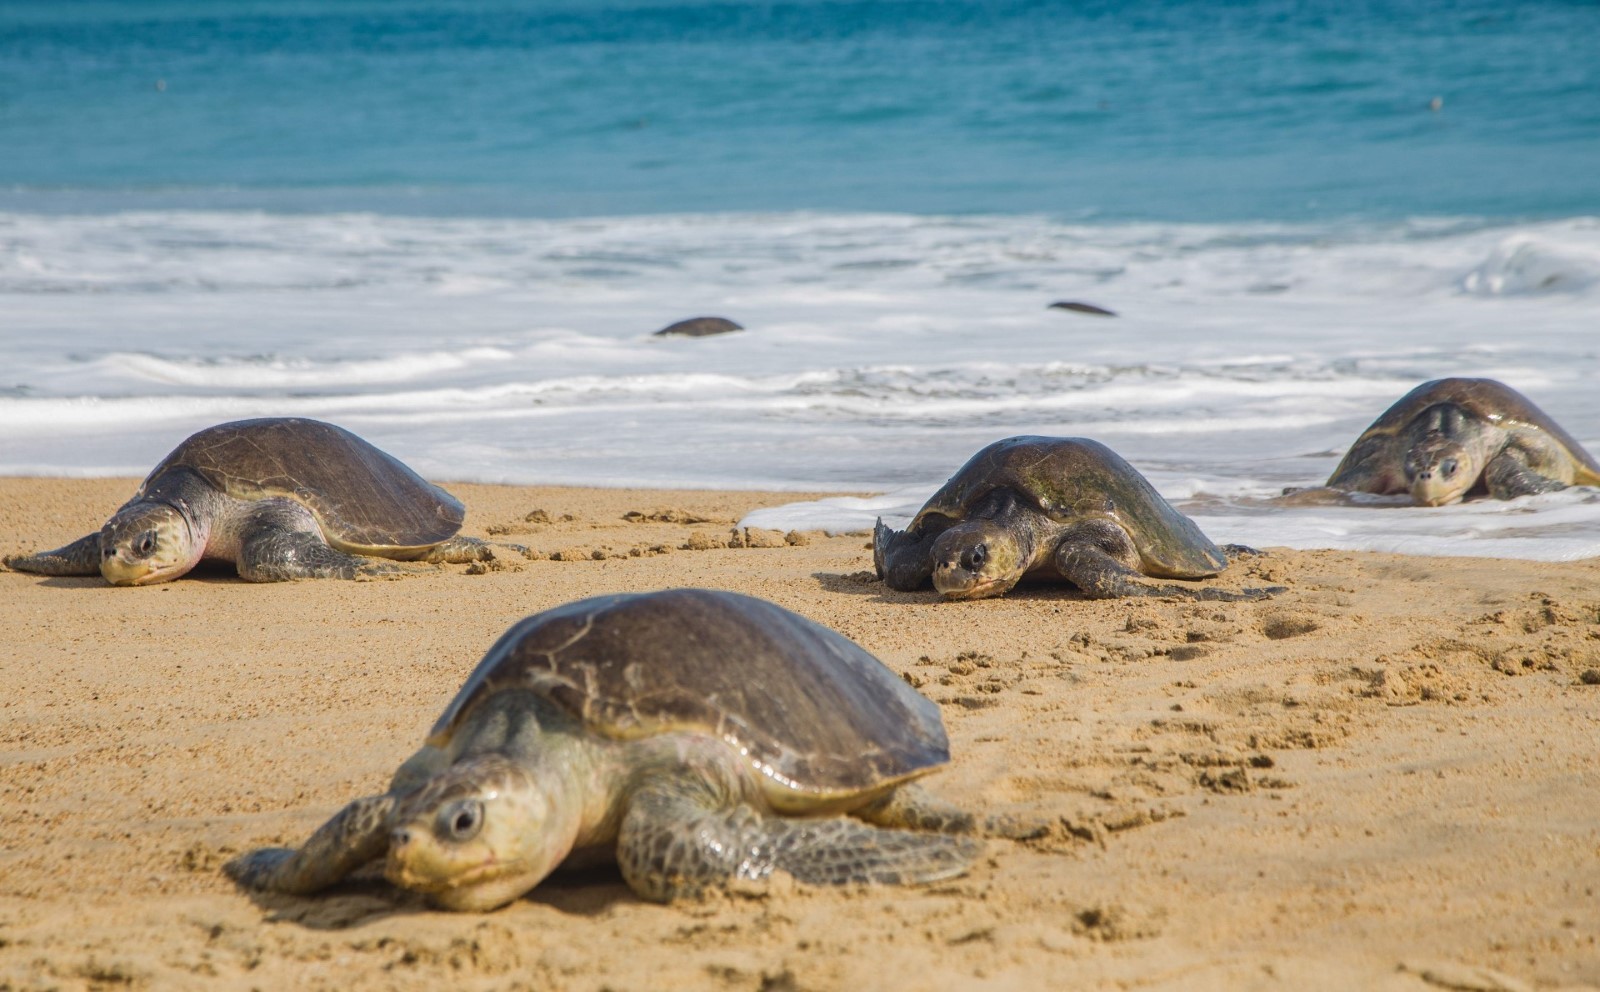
<point>1508,476</point>
<point>679,839</point>
<point>277,556</point>
<point>1100,576</point>
<point>1094,557</point>
<point>904,561</point>
<point>356,835</point>
<point>81,557</point>
<point>282,541</point>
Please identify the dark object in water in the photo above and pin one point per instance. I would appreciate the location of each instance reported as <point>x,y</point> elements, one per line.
<point>1076,307</point>
<point>699,327</point>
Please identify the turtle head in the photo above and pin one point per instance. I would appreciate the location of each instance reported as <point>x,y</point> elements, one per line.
<point>977,559</point>
<point>148,542</point>
<point>1439,470</point>
<point>481,834</point>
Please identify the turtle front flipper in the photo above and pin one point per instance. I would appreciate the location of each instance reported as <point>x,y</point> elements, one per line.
<point>679,839</point>
<point>281,540</point>
<point>1370,466</point>
<point>270,555</point>
<point>81,557</point>
<point>357,834</point>
<point>1508,475</point>
<point>1095,557</point>
<point>903,559</point>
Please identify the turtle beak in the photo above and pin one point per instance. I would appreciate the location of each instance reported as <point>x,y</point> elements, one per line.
<point>968,588</point>
<point>955,582</point>
<point>405,852</point>
<point>152,545</point>
<point>119,571</point>
<point>1437,484</point>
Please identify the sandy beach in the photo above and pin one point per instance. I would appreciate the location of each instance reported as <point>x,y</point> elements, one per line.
<point>1387,777</point>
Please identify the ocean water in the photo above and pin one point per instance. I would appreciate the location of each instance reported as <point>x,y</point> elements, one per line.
<point>1143,110</point>
<point>451,227</point>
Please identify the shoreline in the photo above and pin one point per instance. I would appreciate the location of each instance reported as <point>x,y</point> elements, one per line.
<point>1383,778</point>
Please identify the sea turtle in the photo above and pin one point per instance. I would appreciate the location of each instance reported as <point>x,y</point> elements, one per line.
<point>1452,438</point>
<point>694,736</point>
<point>281,497</point>
<point>1050,507</point>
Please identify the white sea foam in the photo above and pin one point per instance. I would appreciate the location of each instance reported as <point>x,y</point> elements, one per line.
<point>1522,264</point>
<point>881,350</point>
<point>268,372</point>
<point>1561,526</point>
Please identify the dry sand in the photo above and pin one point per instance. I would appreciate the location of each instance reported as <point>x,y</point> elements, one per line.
<point>1388,777</point>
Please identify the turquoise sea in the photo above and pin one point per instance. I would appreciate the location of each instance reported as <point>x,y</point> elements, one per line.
<point>1172,111</point>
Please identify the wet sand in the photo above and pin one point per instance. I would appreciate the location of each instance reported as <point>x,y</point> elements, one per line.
<point>1387,777</point>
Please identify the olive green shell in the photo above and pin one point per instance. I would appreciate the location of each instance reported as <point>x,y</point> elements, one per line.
<point>366,501</point>
<point>1492,403</point>
<point>1070,478</point>
<point>812,711</point>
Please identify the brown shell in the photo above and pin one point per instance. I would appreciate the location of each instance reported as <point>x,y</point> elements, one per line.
<point>812,711</point>
<point>1067,478</point>
<point>366,500</point>
<point>1492,402</point>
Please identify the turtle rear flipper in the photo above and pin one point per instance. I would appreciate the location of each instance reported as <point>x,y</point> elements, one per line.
<point>81,557</point>
<point>678,840</point>
<point>912,807</point>
<point>357,834</point>
<point>462,550</point>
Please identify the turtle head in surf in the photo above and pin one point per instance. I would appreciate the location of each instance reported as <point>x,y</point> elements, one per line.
<point>1440,470</point>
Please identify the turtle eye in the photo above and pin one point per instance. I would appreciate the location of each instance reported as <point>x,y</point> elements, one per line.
<point>974,558</point>
<point>461,820</point>
<point>145,546</point>
<point>1448,467</point>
